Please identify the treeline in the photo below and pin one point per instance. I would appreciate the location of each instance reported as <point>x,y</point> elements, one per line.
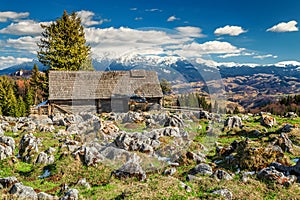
<point>195,100</point>
<point>290,103</point>
<point>18,95</point>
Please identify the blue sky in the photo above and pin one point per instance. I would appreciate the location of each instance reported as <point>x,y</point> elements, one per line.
<point>213,32</point>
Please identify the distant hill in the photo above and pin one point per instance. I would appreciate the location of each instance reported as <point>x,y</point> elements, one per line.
<point>23,66</point>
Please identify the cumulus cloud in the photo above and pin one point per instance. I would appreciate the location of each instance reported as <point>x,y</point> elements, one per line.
<point>133,9</point>
<point>27,27</point>
<point>172,18</point>
<point>191,31</point>
<point>7,61</point>
<point>265,56</point>
<point>230,30</point>
<point>113,42</point>
<point>27,43</point>
<point>211,47</point>
<point>87,18</point>
<point>284,27</point>
<point>8,15</point>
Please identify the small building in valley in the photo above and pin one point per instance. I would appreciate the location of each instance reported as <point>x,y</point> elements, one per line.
<point>101,91</point>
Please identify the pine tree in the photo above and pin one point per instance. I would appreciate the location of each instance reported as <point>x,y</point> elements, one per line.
<point>236,110</point>
<point>11,104</point>
<point>29,99</point>
<point>21,110</point>
<point>62,46</point>
<point>165,86</point>
<point>35,82</point>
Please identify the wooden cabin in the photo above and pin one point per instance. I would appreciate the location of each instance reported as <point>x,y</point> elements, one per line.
<point>101,91</point>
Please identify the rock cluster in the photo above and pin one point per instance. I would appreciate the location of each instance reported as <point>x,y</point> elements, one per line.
<point>7,147</point>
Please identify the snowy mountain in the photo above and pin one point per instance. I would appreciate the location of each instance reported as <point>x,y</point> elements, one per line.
<point>176,68</point>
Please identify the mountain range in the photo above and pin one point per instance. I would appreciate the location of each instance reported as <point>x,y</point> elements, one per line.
<point>178,69</point>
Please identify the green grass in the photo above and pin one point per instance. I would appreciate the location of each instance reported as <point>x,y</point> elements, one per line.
<point>157,186</point>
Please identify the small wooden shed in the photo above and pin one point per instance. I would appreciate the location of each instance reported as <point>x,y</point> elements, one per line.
<point>101,91</point>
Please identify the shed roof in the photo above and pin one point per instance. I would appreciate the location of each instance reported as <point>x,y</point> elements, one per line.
<point>66,85</point>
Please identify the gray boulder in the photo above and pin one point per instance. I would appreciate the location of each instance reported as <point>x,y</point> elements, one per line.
<point>285,143</point>
<point>267,121</point>
<point>71,194</point>
<point>233,122</point>
<point>225,193</point>
<point>8,181</point>
<point>7,147</point>
<point>1,131</point>
<point>131,168</point>
<point>45,196</point>
<point>205,115</point>
<point>271,174</point>
<point>198,158</point>
<point>131,117</point>
<point>84,183</point>
<point>222,175</point>
<point>174,121</point>
<point>89,154</point>
<point>202,169</point>
<point>286,128</point>
<point>45,159</point>
<point>291,115</point>
<point>23,192</point>
<point>28,146</point>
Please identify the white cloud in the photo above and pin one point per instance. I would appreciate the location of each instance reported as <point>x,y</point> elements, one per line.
<point>153,10</point>
<point>138,18</point>
<point>7,61</point>
<point>211,47</point>
<point>265,56</point>
<point>87,18</point>
<point>230,30</point>
<point>5,16</point>
<point>284,27</point>
<point>133,9</point>
<point>212,63</point>
<point>27,44</point>
<point>27,27</point>
<point>191,31</point>
<point>229,55</point>
<point>172,18</point>
<point>113,42</point>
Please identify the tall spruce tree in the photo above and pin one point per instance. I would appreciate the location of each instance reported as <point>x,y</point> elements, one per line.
<point>63,44</point>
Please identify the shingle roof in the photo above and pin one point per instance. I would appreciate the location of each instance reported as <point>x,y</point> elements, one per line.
<point>65,85</point>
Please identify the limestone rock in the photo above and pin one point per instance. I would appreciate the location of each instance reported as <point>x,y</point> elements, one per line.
<point>233,122</point>
<point>286,128</point>
<point>84,183</point>
<point>131,168</point>
<point>271,174</point>
<point>28,146</point>
<point>45,196</point>
<point>8,181</point>
<point>45,159</point>
<point>71,194</point>
<point>205,115</point>
<point>23,192</point>
<point>222,175</point>
<point>267,121</point>
<point>202,169</point>
<point>174,121</point>
<point>7,147</point>
<point>285,143</point>
<point>224,193</point>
